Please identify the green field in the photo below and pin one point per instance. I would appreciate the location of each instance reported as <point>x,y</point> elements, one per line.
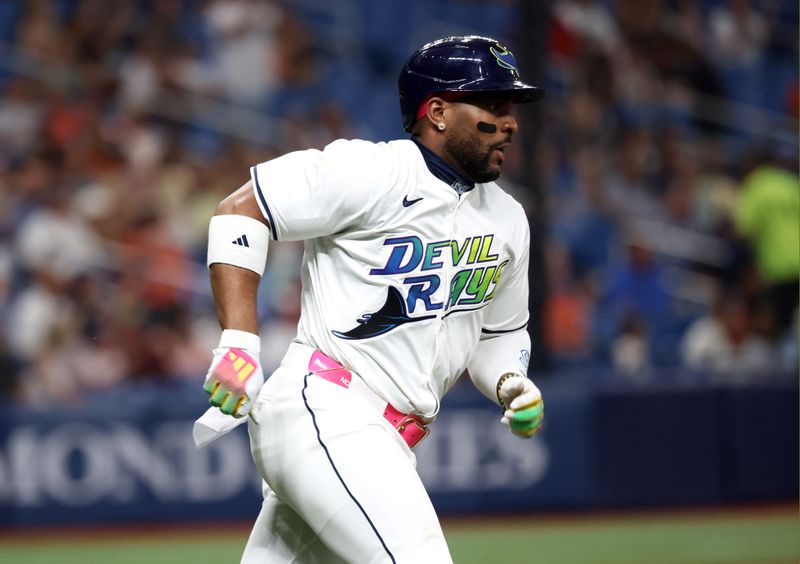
<point>766,536</point>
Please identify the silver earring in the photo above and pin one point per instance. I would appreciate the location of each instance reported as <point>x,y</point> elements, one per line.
<point>441,126</point>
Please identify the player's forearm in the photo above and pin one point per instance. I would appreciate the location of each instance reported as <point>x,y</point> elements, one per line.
<point>235,376</point>
<point>235,293</point>
<point>496,356</point>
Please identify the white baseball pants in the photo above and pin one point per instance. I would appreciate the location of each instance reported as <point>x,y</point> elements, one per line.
<point>341,483</point>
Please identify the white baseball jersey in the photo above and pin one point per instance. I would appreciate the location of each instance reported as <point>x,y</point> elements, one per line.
<point>403,276</point>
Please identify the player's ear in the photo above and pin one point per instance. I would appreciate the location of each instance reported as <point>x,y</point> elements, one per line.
<point>435,110</point>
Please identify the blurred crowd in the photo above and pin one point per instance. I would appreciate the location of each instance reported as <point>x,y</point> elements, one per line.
<point>670,164</point>
<point>667,152</point>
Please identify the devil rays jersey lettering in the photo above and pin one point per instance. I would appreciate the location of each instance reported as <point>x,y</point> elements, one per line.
<point>409,254</point>
<point>399,293</point>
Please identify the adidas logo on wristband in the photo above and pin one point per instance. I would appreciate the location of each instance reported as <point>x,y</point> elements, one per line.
<point>242,241</point>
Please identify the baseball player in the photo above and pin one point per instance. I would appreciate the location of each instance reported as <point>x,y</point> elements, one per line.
<point>415,270</point>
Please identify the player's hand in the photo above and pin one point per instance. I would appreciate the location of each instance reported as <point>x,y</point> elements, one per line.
<point>234,377</point>
<point>524,409</point>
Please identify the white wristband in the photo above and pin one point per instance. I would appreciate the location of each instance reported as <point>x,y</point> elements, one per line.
<point>233,338</point>
<point>238,240</point>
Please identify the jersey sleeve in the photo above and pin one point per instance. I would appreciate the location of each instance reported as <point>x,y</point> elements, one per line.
<point>504,345</point>
<point>312,193</point>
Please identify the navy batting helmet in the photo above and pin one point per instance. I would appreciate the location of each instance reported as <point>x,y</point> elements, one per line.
<point>460,64</point>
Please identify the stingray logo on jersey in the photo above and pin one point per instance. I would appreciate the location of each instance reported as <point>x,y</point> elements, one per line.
<point>471,287</point>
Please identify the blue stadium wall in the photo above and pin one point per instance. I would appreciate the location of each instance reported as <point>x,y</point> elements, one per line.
<point>126,459</point>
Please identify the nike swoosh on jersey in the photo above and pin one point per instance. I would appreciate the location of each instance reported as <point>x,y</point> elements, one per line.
<point>407,202</point>
<point>391,314</point>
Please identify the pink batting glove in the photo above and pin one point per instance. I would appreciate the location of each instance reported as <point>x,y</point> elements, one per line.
<point>235,375</point>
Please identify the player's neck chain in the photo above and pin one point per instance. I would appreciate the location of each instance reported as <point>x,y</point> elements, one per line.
<point>444,171</point>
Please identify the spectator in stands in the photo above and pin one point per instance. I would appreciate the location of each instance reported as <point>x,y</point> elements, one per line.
<point>631,186</point>
<point>738,33</point>
<point>724,344</point>
<point>69,369</point>
<point>635,300</point>
<point>637,285</point>
<point>38,311</point>
<point>567,309</point>
<point>57,239</point>
<point>21,116</point>
<point>582,217</point>
<point>630,351</point>
<point>738,37</point>
<point>768,216</point>
<point>590,22</point>
<point>244,46</point>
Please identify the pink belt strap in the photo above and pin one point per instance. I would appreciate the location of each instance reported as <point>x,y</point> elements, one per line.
<point>411,427</point>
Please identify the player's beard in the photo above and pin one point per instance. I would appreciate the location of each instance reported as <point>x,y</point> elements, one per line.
<point>473,156</point>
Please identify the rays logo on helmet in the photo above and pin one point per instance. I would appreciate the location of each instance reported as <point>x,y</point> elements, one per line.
<point>505,59</point>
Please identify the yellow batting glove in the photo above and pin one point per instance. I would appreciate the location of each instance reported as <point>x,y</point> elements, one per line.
<point>235,375</point>
<point>524,409</point>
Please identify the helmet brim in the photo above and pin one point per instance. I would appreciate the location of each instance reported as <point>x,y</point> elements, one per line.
<point>524,93</point>
<point>520,92</point>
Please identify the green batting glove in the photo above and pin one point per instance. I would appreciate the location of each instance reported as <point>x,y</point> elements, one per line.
<point>524,406</point>
<point>525,422</point>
